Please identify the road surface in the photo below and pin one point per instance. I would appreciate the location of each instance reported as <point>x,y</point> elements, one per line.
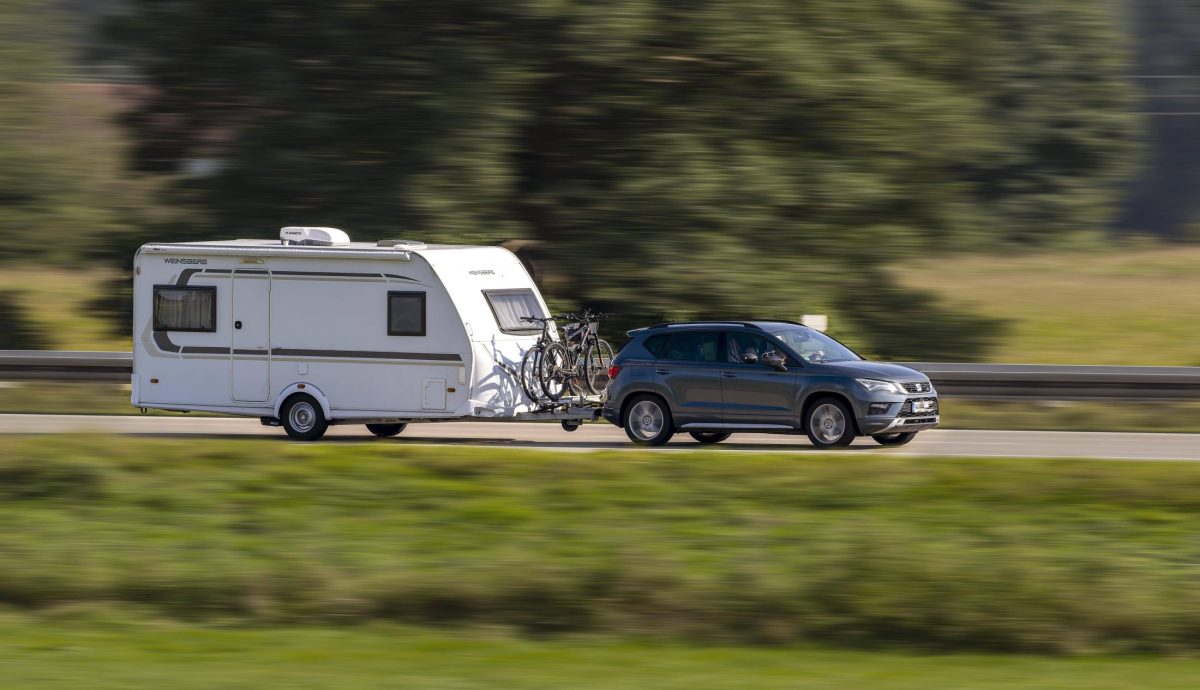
<point>1040,444</point>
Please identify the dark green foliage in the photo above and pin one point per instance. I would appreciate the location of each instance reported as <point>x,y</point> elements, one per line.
<point>682,158</point>
<point>1069,556</point>
<point>16,331</point>
<point>33,478</point>
<point>898,323</point>
<point>62,187</point>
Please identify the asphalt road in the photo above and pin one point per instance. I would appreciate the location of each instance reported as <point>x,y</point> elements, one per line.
<point>1042,444</point>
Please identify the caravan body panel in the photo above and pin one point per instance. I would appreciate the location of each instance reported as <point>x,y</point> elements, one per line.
<point>382,333</point>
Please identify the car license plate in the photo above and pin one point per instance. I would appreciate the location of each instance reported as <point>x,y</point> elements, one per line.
<point>924,405</point>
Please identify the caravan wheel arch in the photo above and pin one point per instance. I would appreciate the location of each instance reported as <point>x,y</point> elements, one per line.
<point>302,387</point>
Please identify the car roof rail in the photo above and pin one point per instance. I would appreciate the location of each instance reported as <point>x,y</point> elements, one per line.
<point>705,322</point>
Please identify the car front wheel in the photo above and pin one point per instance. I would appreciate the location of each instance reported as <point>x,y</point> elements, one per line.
<point>830,424</point>
<point>648,421</point>
<point>897,439</point>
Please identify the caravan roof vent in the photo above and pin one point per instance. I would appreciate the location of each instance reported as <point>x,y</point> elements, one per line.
<point>313,237</point>
<point>401,244</point>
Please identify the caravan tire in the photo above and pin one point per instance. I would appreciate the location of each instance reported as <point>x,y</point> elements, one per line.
<point>385,430</point>
<point>303,419</point>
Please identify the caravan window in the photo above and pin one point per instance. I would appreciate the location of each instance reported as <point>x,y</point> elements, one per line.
<point>185,308</point>
<point>510,306</point>
<point>406,313</point>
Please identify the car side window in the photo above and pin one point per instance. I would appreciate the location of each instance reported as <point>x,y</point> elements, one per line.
<point>657,345</point>
<point>692,346</point>
<point>743,347</point>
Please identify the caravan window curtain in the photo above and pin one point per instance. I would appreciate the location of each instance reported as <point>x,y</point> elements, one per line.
<point>185,308</point>
<point>510,306</point>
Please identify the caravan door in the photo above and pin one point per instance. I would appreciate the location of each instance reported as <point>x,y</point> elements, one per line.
<point>250,324</point>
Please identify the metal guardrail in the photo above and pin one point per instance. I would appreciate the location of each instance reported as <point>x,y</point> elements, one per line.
<point>981,381</point>
<point>52,365</point>
<point>1061,382</point>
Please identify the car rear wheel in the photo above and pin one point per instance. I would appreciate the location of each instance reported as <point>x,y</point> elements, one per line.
<point>830,424</point>
<point>303,419</point>
<point>709,436</point>
<point>648,421</point>
<point>897,439</point>
<point>385,430</point>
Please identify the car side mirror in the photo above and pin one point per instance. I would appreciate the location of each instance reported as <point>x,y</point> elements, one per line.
<point>775,360</point>
<point>750,358</point>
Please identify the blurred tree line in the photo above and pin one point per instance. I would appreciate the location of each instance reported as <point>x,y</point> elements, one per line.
<point>670,158</point>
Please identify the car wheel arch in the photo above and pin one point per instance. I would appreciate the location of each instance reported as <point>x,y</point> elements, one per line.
<point>629,397</point>
<point>816,395</point>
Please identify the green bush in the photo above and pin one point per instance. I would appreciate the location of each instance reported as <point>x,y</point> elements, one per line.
<point>16,331</point>
<point>1015,555</point>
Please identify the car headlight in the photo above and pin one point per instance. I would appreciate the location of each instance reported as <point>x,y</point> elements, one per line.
<point>875,386</point>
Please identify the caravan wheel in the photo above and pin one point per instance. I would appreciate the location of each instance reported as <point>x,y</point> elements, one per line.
<point>303,419</point>
<point>385,430</point>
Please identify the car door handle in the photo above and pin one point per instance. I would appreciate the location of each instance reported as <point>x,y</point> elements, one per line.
<point>662,371</point>
<point>728,375</point>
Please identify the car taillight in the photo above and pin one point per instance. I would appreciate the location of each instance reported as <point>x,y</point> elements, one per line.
<point>613,371</point>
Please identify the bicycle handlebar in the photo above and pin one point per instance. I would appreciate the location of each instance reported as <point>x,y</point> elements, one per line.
<point>586,315</point>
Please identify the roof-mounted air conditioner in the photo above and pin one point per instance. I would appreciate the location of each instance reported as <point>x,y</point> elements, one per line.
<point>313,237</point>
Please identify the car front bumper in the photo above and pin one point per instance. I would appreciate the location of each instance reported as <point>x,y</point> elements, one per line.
<point>902,415</point>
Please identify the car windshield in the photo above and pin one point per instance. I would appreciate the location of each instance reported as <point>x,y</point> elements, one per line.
<point>813,345</point>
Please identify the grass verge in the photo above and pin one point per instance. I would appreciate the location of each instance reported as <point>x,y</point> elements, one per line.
<point>1130,305</point>
<point>52,397</point>
<point>123,651</point>
<point>57,303</point>
<point>1013,555</point>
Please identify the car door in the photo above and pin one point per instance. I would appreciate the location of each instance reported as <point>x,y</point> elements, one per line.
<point>754,392</point>
<point>689,374</point>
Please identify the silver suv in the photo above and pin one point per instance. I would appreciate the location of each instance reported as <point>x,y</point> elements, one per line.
<point>716,378</point>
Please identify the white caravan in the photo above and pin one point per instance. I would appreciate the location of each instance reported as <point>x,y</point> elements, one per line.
<point>313,329</point>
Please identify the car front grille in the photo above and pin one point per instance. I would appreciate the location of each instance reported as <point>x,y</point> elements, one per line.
<point>921,420</point>
<point>917,387</point>
<point>906,410</point>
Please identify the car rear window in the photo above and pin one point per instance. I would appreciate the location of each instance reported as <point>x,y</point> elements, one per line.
<point>692,347</point>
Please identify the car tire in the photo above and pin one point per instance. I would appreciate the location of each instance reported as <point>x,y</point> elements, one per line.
<point>896,439</point>
<point>302,418</point>
<point>648,421</point>
<point>385,430</point>
<point>829,424</point>
<point>709,437</point>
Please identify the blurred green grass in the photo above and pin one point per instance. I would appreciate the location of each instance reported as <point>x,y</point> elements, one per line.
<point>1118,306</point>
<point>847,550</point>
<point>121,649</point>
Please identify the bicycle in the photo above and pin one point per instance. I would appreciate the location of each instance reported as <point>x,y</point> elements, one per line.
<point>531,364</point>
<point>579,362</point>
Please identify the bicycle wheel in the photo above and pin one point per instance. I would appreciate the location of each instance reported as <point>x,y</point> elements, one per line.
<point>531,384</point>
<point>595,366</point>
<point>576,385</point>
<point>554,371</point>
